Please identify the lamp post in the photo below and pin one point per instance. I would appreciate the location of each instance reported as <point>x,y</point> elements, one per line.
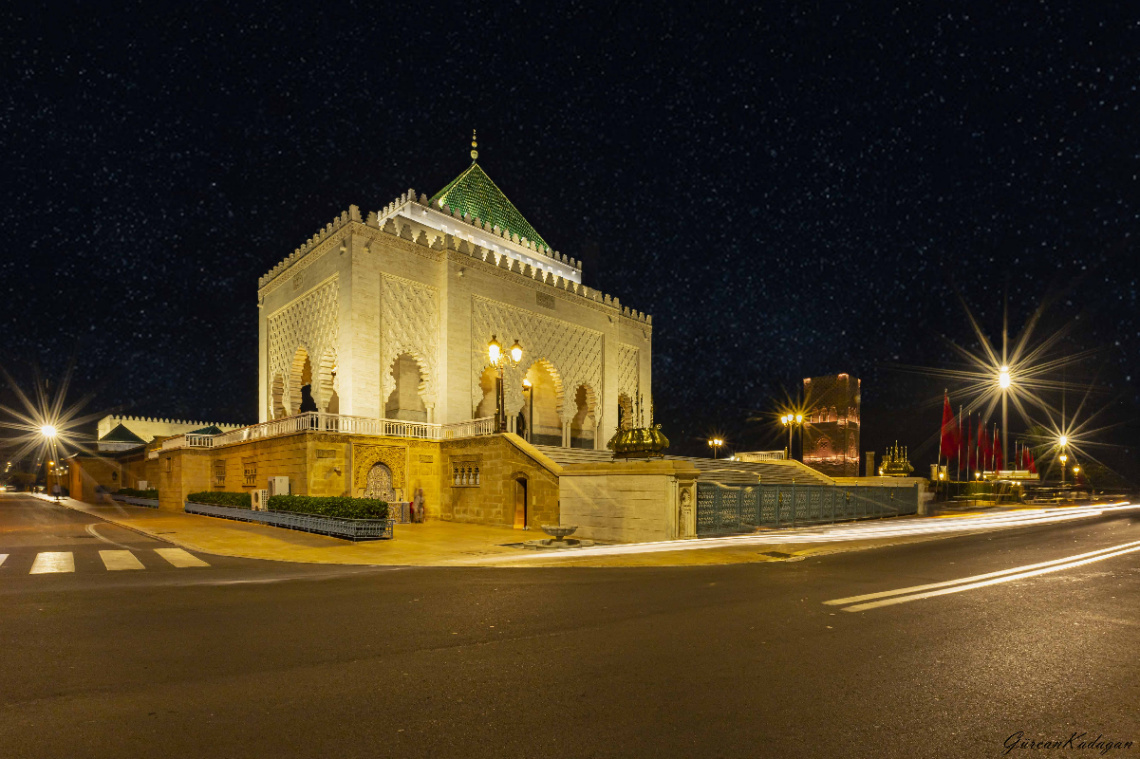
<point>499,360</point>
<point>715,443</point>
<point>528,388</point>
<point>1004,381</point>
<point>1064,460</point>
<point>49,433</point>
<point>791,421</point>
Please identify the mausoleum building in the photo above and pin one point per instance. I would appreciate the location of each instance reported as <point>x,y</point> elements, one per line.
<point>389,316</point>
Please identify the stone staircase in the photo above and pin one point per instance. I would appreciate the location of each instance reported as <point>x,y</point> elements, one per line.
<point>712,470</point>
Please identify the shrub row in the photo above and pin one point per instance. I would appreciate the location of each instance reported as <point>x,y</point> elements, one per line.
<point>220,498</point>
<point>133,493</point>
<point>347,508</point>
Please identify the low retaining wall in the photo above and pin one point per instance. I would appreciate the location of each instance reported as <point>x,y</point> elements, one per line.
<point>150,503</point>
<point>629,501</point>
<point>336,527</point>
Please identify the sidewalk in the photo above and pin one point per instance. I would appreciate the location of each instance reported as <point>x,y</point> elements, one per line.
<point>454,544</point>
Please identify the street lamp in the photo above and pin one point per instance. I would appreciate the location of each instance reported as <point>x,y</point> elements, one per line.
<point>1004,381</point>
<point>716,443</point>
<point>791,421</point>
<point>528,388</point>
<point>1064,458</point>
<point>50,433</point>
<point>498,360</point>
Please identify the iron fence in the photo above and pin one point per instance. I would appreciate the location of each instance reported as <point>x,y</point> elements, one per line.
<point>337,527</point>
<point>723,509</point>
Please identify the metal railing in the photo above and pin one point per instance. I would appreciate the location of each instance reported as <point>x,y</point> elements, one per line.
<point>337,527</point>
<point>318,421</point>
<point>723,509</point>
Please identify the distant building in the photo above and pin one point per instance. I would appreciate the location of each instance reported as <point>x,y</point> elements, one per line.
<point>831,425</point>
<point>117,433</point>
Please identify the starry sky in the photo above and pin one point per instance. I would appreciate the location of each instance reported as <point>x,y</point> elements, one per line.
<point>791,189</point>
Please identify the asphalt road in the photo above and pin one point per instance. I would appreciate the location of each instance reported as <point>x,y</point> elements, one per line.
<point>247,659</point>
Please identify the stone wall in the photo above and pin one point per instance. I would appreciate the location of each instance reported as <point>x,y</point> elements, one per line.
<point>631,501</point>
<point>497,464</point>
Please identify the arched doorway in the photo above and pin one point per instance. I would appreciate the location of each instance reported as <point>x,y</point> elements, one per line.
<point>625,412</point>
<point>324,393</point>
<point>488,382</point>
<point>546,389</point>
<point>520,503</point>
<point>583,424</point>
<point>277,391</point>
<point>405,402</point>
<point>380,483</point>
<point>301,384</point>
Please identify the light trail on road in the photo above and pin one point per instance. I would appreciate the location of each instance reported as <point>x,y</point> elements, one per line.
<point>840,533</point>
<point>915,593</point>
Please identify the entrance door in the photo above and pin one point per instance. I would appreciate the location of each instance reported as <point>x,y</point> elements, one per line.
<point>520,503</point>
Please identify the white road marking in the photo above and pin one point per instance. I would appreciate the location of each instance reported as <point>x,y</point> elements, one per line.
<point>53,561</point>
<point>2,557</point>
<point>961,580</point>
<point>115,560</point>
<point>95,534</point>
<point>180,558</point>
<point>993,581</point>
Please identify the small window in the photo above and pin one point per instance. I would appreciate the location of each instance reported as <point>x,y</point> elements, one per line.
<point>249,470</point>
<point>465,474</point>
<point>169,465</point>
<point>220,473</point>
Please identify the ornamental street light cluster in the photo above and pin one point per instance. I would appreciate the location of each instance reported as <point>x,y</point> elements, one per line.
<point>716,443</point>
<point>499,360</point>
<point>791,421</point>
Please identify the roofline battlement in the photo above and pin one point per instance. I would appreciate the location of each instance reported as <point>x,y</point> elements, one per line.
<point>447,241</point>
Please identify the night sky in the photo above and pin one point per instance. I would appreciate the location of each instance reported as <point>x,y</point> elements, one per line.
<point>790,190</point>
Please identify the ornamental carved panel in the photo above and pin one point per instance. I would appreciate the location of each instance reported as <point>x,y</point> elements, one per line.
<point>629,370</point>
<point>364,457</point>
<point>409,324</point>
<point>574,352</point>
<point>310,322</point>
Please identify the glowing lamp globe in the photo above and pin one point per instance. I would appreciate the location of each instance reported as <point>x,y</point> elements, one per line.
<point>516,352</point>
<point>48,431</point>
<point>1003,377</point>
<point>1064,440</point>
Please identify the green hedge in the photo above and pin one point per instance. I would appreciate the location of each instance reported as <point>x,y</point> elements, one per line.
<point>348,508</point>
<point>219,498</point>
<point>133,493</point>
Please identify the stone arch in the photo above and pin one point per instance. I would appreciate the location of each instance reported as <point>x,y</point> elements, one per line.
<point>547,402</point>
<point>324,392</point>
<point>300,376</point>
<point>625,412</point>
<point>277,397</point>
<point>487,384</point>
<point>380,483</point>
<point>584,424</point>
<point>406,381</point>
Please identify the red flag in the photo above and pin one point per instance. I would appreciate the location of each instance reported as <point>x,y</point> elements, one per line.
<point>998,462</point>
<point>971,456</point>
<point>950,432</point>
<point>984,449</point>
<point>1032,464</point>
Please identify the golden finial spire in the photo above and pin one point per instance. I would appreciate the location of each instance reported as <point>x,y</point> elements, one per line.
<point>474,144</point>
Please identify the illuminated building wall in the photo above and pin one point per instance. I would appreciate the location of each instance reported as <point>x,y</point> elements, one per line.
<point>831,425</point>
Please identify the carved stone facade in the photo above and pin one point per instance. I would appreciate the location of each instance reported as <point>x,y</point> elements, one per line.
<point>571,353</point>
<point>394,313</point>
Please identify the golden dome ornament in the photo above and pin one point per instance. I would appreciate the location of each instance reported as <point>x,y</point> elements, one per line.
<point>474,144</point>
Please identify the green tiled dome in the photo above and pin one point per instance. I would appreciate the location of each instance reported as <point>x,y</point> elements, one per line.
<point>473,193</point>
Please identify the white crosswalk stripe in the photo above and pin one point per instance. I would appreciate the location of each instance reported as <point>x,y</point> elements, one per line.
<point>180,558</point>
<point>50,562</point>
<point>115,560</point>
<point>56,562</point>
<point>2,557</point>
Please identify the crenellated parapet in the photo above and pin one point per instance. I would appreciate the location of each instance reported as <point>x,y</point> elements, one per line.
<point>392,220</point>
<point>340,222</point>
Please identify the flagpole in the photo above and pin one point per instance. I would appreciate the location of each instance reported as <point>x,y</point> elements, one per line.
<point>958,462</point>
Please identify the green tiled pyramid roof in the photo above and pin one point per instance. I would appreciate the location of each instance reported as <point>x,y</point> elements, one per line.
<point>211,430</point>
<point>473,192</point>
<point>121,434</point>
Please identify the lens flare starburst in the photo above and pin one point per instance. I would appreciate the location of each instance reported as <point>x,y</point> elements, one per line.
<point>43,425</point>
